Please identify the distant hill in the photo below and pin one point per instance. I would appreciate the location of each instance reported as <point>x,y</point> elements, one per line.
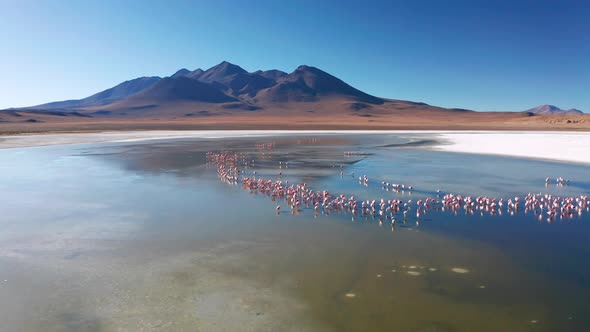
<point>116,93</point>
<point>550,109</point>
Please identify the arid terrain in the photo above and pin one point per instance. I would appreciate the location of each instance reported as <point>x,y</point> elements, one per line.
<point>228,97</point>
<point>26,122</point>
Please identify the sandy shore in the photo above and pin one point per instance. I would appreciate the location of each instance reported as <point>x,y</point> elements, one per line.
<point>559,146</point>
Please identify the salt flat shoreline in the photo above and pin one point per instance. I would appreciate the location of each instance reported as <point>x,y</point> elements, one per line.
<point>572,147</point>
<point>562,146</point>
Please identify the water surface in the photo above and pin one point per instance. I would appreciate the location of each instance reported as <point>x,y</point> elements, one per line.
<point>131,236</point>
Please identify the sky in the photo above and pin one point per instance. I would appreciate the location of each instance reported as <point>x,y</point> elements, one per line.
<point>483,55</point>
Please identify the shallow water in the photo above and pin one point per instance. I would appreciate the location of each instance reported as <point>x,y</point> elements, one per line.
<point>132,236</point>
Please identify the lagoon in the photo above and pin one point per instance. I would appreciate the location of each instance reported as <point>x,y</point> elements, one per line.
<point>136,234</point>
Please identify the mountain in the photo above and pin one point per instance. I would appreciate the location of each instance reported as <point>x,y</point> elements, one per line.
<point>310,84</point>
<point>227,89</point>
<point>195,74</point>
<point>182,88</point>
<point>550,109</point>
<point>221,73</point>
<point>247,83</point>
<point>181,72</point>
<point>273,74</point>
<point>222,83</point>
<point>227,96</point>
<point>232,79</point>
<point>116,93</point>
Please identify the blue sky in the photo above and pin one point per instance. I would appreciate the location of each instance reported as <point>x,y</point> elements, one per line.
<point>484,55</point>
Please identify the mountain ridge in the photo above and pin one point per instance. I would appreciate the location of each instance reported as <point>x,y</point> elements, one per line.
<point>222,83</point>
<point>227,88</point>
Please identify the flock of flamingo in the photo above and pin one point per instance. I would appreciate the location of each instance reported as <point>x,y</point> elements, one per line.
<point>301,195</point>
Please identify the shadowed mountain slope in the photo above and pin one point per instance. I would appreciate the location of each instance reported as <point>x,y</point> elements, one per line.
<point>310,84</point>
<point>183,88</point>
